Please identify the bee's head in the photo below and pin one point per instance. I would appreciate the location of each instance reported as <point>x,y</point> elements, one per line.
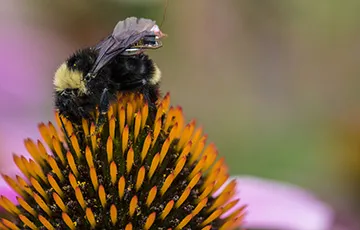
<point>70,75</point>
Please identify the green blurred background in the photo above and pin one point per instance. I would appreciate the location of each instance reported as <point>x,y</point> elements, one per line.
<point>274,83</point>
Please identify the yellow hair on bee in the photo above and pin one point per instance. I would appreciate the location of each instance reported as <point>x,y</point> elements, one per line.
<point>156,76</point>
<point>68,79</point>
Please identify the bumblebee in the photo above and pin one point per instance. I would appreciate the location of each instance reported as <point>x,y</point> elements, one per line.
<point>92,77</point>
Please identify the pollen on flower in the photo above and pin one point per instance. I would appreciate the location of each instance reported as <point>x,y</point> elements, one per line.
<point>139,171</point>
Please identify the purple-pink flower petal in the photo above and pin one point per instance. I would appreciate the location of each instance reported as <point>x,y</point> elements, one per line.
<point>275,205</point>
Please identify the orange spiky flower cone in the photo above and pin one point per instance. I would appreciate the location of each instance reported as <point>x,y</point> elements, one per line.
<point>135,173</point>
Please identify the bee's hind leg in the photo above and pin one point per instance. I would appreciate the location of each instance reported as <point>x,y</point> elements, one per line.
<point>103,108</point>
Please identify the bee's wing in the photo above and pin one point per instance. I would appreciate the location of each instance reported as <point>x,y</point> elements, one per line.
<point>132,23</point>
<point>126,33</point>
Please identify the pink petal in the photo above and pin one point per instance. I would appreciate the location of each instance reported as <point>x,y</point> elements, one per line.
<point>281,206</point>
<point>12,141</point>
<point>7,191</point>
<point>25,89</point>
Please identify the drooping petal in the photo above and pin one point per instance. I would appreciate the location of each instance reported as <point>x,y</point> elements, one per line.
<point>275,205</point>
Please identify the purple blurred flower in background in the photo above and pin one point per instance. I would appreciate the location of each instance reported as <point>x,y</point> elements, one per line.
<point>25,75</point>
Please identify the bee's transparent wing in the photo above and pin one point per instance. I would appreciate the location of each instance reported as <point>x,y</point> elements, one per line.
<point>133,24</point>
<point>126,33</point>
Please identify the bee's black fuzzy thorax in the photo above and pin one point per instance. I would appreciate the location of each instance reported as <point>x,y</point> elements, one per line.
<point>82,60</point>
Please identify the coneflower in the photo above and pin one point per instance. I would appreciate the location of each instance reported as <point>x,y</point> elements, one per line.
<point>136,172</point>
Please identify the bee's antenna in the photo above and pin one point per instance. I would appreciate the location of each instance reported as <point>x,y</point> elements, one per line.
<point>164,15</point>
